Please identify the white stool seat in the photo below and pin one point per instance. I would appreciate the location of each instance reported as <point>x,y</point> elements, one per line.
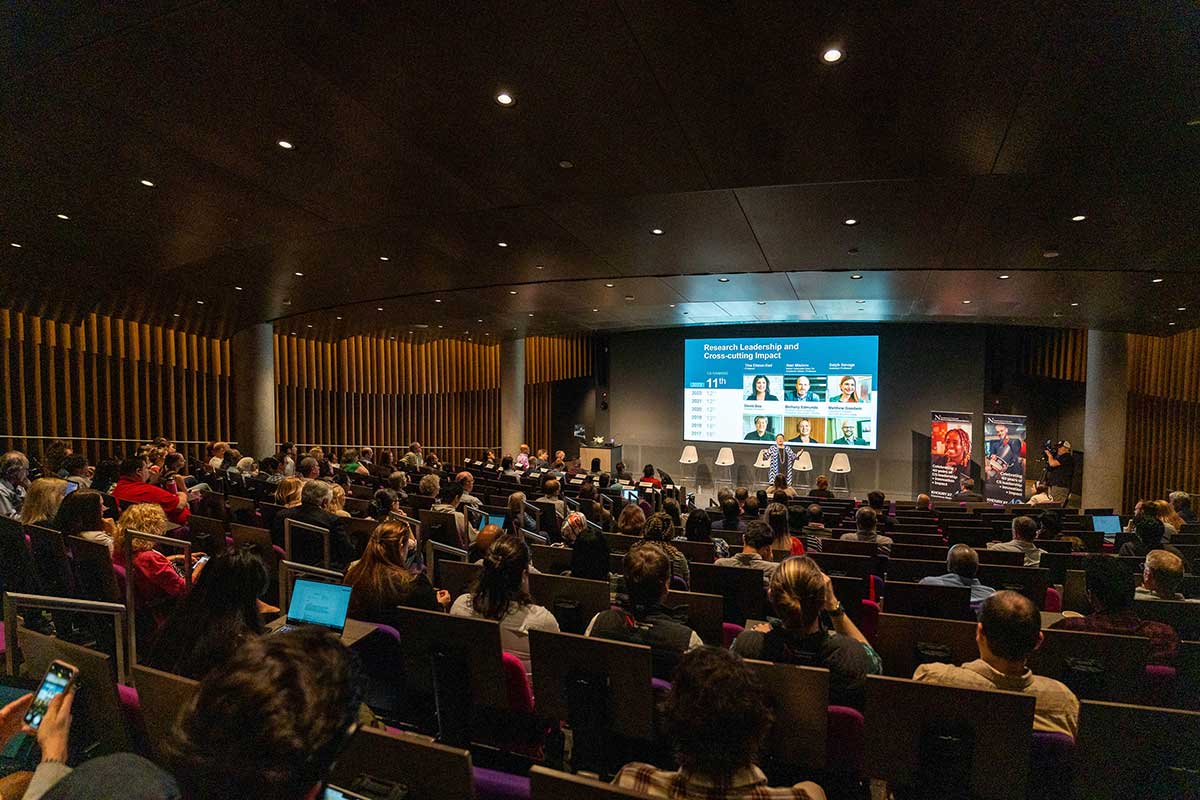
<point>840,463</point>
<point>689,455</point>
<point>764,459</point>
<point>724,457</point>
<point>803,462</point>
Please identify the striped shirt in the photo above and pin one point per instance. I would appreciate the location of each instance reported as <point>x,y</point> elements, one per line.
<point>748,783</point>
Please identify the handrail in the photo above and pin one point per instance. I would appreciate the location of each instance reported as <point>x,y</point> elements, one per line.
<point>84,438</point>
<point>288,568</point>
<point>15,600</point>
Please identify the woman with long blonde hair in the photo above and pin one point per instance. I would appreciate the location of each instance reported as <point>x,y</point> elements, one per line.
<point>337,502</point>
<point>288,492</point>
<point>381,581</point>
<point>154,576</point>
<point>42,500</point>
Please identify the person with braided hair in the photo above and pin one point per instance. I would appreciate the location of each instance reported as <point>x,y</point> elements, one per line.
<point>502,594</point>
<point>812,630</point>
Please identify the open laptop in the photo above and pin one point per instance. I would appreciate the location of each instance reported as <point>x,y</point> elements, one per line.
<point>491,519</point>
<point>315,603</point>
<point>1109,525</point>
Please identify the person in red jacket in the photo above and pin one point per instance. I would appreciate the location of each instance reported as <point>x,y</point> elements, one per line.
<point>132,487</point>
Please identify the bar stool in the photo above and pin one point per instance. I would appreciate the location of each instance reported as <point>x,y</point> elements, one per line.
<point>840,466</point>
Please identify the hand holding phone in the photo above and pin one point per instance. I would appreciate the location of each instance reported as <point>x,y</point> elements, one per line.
<point>59,677</point>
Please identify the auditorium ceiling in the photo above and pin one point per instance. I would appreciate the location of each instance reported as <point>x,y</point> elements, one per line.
<point>1054,143</point>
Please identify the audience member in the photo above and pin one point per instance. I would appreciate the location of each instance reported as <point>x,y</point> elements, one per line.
<point>1182,503</point>
<point>478,549</point>
<point>398,483</point>
<point>670,507</point>
<point>1110,589</point>
<point>209,624</point>
<point>107,473</point>
<point>731,518</point>
<point>216,453</point>
<point>271,470</point>
<point>413,459</point>
<point>313,510</point>
<point>1148,535</point>
<point>924,503</point>
<point>649,477</point>
<point>717,718</point>
<point>53,456</point>
<point>822,488</point>
<point>502,594</point>
<point>155,579</point>
<point>877,501</point>
<point>42,500</point>
<point>967,493</point>
<point>660,530</point>
<point>589,557</point>
<point>781,485</point>
<point>82,514</point>
<point>698,528</point>
<point>1008,632</point>
<point>1041,496</point>
<point>866,520</point>
<point>644,619</point>
<point>383,503</point>
<point>467,481</point>
<point>522,461</point>
<point>757,543</point>
<point>1024,530</point>
<point>777,519</point>
<point>381,579</point>
<point>800,593</point>
<point>337,500</point>
<point>963,564</point>
<point>76,468</point>
<point>553,497</point>
<point>814,530</point>
<point>287,457</point>
<point>133,488</point>
<point>289,491</point>
<point>1170,520</point>
<point>448,504</point>
<point>310,468</point>
<point>632,520</point>
<point>517,518</point>
<point>575,524</point>
<point>1161,577</point>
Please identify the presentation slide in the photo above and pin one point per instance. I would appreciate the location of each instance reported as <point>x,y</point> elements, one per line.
<point>818,391</point>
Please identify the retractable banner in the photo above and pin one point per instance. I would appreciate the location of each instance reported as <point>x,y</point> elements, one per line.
<point>950,451</point>
<point>1004,458</point>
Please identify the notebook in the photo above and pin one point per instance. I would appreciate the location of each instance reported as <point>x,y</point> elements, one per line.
<point>313,603</point>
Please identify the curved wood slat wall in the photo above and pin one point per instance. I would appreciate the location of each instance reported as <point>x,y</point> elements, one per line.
<point>110,379</point>
<point>549,359</point>
<point>1056,353</point>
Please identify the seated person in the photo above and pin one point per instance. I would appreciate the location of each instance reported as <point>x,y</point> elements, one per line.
<point>517,518</point>
<point>313,510</point>
<point>448,504</point>
<point>155,581</point>
<point>1148,535</point>
<point>967,493</point>
<point>877,500</point>
<point>478,549</point>
<point>648,477</point>
<point>717,719</point>
<point>467,481</point>
<point>1161,577</point>
<point>779,518</point>
<point>134,487</point>
<point>731,518</point>
<point>660,529</point>
<point>924,503</point>
<point>553,497</point>
<point>222,611</point>
<point>382,580</point>
<point>1024,531</point>
<point>644,619</point>
<point>82,514</point>
<point>398,483</point>
<point>699,528</point>
<point>1009,630</point>
<point>501,593</point>
<point>963,563</point>
<point>572,526</point>
<point>1110,590</point>
<point>756,551</point>
<point>631,520</point>
<point>814,528</point>
<point>1041,496</point>
<point>866,520</point>
<point>801,594</point>
<point>822,488</point>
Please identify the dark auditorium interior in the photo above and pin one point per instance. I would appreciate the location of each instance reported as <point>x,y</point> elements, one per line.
<point>599,399</point>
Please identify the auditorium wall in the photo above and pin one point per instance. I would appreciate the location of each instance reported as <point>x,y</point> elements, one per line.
<point>921,368</point>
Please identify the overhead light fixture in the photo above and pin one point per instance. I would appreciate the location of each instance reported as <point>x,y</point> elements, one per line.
<point>175,315</point>
<point>657,231</point>
<point>628,297</point>
<point>832,55</point>
<point>609,285</point>
<point>1171,323</point>
<point>723,280</point>
<point>672,305</point>
<point>1003,277</point>
<point>393,338</point>
<point>285,144</point>
<point>308,326</point>
<point>531,315</point>
<point>501,244</point>
<point>298,274</point>
<point>851,221</point>
<point>379,308</point>
<point>1156,280</point>
<point>1078,218</point>
<point>145,182</point>
<point>441,326</point>
<point>384,258</point>
<point>1182,308</point>
<point>512,291</point>
<point>1074,305</point>
<point>479,321</point>
<point>856,277</point>
<point>62,216</point>
<point>238,288</point>
<point>339,317</point>
<point>1050,254</point>
<point>860,302</point>
<point>595,309</point>
<point>14,244</point>
<point>437,299</point>
<point>566,164</point>
<point>1057,314</point>
<point>486,334</point>
<point>966,302</point>
<point>505,99</point>
<point>199,302</point>
<point>541,266</point>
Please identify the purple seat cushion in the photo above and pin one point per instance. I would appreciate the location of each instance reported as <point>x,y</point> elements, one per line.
<point>658,685</point>
<point>131,706</point>
<point>846,739</point>
<point>491,784</point>
<point>729,632</point>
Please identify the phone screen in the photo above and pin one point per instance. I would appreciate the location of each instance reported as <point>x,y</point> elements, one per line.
<point>334,793</point>
<point>55,683</point>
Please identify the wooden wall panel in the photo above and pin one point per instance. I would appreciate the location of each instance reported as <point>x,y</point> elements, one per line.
<point>1056,353</point>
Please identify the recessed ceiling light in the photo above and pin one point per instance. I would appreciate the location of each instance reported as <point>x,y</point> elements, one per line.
<point>14,244</point>
<point>1058,313</point>
<point>1156,280</point>
<point>541,266</point>
<point>379,308</point>
<point>487,334</point>
<point>437,299</point>
<point>308,326</point>
<point>966,302</point>
<point>145,182</point>
<point>856,277</point>
<point>199,302</point>
<point>479,321</point>
<point>384,258</point>
<point>566,164</point>
<point>505,99</point>
<point>595,309</point>
<point>1074,305</point>
<point>762,302</point>
<point>1050,254</point>
<point>285,144</point>
<point>293,333</point>
<point>175,315</point>
<point>1182,308</point>
<point>238,288</point>
<point>628,297</point>
<point>339,317</point>
<point>1078,218</point>
<point>832,55</point>
<point>298,274</point>
<point>1004,277</point>
<point>501,244</point>
<point>609,285</point>
<point>62,216</point>
<point>440,326</point>
<point>393,338</point>
<point>723,280</point>
<point>657,231</point>
<point>860,302</point>
<point>1170,323</point>
<point>672,305</point>
<point>851,221</point>
<point>531,315</point>
<point>512,291</point>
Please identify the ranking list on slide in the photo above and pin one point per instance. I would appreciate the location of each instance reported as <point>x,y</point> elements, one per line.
<point>714,414</point>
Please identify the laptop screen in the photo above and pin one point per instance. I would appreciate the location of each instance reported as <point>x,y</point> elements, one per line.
<point>1107,523</point>
<point>630,494</point>
<point>494,519</point>
<point>323,604</point>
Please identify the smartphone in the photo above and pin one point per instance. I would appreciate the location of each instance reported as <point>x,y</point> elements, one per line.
<point>178,565</point>
<point>58,677</point>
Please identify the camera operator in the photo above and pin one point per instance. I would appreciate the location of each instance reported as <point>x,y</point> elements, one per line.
<point>1060,471</point>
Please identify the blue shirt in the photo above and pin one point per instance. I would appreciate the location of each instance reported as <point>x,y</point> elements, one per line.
<point>979,592</point>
